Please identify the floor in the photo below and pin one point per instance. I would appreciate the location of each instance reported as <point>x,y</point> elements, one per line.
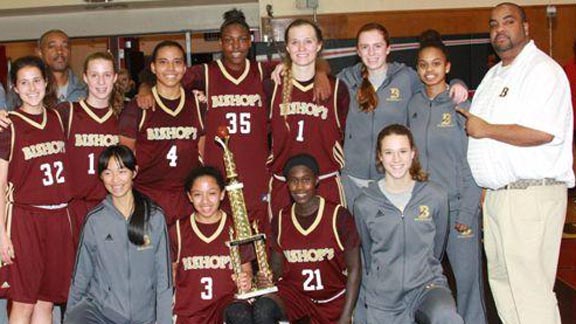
<point>565,287</point>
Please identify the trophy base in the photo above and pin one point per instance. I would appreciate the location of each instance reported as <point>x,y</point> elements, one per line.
<point>256,293</point>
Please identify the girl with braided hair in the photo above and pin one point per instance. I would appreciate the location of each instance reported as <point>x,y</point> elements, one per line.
<point>299,124</point>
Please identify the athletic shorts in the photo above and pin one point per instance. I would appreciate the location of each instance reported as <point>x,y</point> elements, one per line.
<point>298,306</point>
<point>79,208</point>
<point>212,314</point>
<point>44,254</point>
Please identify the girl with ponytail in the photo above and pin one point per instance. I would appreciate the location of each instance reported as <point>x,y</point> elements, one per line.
<point>380,92</point>
<point>442,141</point>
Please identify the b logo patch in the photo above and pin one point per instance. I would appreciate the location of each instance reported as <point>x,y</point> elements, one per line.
<point>446,120</point>
<point>147,243</point>
<point>394,95</point>
<point>424,213</point>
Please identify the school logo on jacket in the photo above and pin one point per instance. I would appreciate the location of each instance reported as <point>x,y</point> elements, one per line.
<point>446,121</point>
<point>147,243</point>
<point>394,95</point>
<point>423,214</point>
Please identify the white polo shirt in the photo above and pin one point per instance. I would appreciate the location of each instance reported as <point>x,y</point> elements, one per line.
<point>532,91</point>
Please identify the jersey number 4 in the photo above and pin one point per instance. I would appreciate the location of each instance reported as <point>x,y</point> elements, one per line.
<point>238,122</point>
<point>52,173</point>
<point>313,280</point>
<point>172,156</point>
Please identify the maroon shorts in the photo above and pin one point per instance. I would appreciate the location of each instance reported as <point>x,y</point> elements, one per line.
<point>212,314</point>
<point>4,281</point>
<point>298,305</point>
<point>44,254</point>
<point>330,188</point>
<point>79,208</point>
<point>175,204</point>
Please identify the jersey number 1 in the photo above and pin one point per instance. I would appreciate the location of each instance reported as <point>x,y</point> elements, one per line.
<point>300,136</point>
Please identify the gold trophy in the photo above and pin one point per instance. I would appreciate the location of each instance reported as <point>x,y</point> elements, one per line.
<point>242,232</point>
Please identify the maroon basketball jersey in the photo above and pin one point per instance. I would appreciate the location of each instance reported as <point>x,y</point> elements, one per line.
<point>203,275</point>
<point>37,169</point>
<point>303,126</point>
<point>167,142</point>
<point>90,131</point>
<point>239,104</point>
<point>314,257</point>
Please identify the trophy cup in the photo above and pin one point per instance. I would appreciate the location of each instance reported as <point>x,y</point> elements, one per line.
<point>242,232</point>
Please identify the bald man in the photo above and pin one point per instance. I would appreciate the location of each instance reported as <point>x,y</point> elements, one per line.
<point>520,150</point>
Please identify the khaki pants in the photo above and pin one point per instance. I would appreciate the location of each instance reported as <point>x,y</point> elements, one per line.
<point>522,234</point>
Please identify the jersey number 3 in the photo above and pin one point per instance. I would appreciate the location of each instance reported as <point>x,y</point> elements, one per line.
<point>206,294</point>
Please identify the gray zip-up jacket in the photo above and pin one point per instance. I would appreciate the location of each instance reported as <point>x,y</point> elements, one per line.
<point>402,251</point>
<point>128,283</point>
<point>442,145</point>
<point>363,128</point>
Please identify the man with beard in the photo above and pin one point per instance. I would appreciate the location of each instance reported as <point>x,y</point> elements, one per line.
<point>520,150</point>
<point>54,49</point>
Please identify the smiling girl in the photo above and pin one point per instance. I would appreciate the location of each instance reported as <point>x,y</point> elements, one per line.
<point>381,91</point>
<point>204,291</point>
<point>91,125</point>
<point>443,144</point>
<point>402,220</point>
<point>315,254</point>
<point>36,241</point>
<point>165,140</point>
<point>122,272</point>
<point>300,124</point>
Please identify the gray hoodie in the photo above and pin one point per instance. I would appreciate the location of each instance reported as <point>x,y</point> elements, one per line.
<point>442,146</point>
<point>128,283</point>
<point>362,128</point>
<point>402,251</point>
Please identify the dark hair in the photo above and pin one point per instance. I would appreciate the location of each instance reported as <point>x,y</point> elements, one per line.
<point>51,31</point>
<point>521,11</point>
<point>142,205</point>
<point>166,43</point>
<point>416,171</point>
<point>201,172</point>
<point>304,159</point>
<point>116,100</point>
<point>366,95</point>
<point>287,79</point>
<point>34,61</point>
<point>432,38</point>
<point>234,17</point>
